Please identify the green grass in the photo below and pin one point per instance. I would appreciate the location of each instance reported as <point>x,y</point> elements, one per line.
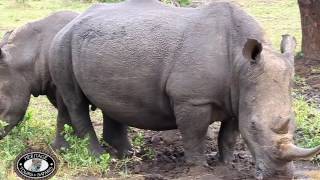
<point>14,14</point>
<point>307,117</point>
<point>31,133</point>
<point>181,2</point>
<point>276,17</point>
<point>78,159</point>
<point>308,123</point>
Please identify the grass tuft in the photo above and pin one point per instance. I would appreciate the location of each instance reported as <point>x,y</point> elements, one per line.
<point>26,135</point>
<point>78,158</point>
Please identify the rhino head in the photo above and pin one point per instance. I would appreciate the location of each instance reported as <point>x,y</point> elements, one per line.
<point>14,89</point>
<point>266,118</point>
<point>24,67</point>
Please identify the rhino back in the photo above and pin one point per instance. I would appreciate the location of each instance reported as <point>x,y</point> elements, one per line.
<point>125,56</point>
<point>121,61</point>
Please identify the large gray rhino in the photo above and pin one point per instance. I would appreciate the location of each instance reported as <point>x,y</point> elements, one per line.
<point>24,70</point>
<point>156,67</point>
<point>151,66</point>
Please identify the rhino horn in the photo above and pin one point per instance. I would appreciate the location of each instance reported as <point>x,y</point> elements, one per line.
<point>282,128</point>
<point>292,152</point>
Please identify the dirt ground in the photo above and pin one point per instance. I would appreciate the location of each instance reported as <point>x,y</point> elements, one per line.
<point>309,69</point>
<point>168,160</point>
<point>169,164</point>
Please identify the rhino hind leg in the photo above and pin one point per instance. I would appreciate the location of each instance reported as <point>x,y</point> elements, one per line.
<point>227,139</point>
<point>115,134</point>
<point>78,110</point>
<point>193,122</point>
<point>63,119</point>
<point>60,142</point>
<point>75,101</point>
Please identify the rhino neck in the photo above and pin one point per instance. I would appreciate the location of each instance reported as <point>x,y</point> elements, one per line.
<point>31,63</point>
<point>243,27</point>
<point>41,77</point>
<point>29,47</point>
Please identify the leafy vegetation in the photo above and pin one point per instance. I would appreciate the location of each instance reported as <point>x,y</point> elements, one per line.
<point>179,2</point>
<point>79,159</point>
<point>38,135</point>
<point>138,142</point>
<point>30,133</point>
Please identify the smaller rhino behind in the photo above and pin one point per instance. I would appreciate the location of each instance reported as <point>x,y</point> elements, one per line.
<point>24,71</point>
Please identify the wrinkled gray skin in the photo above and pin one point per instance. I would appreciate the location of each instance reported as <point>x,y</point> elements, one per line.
<point>156,67</point>
<point>24,70</point>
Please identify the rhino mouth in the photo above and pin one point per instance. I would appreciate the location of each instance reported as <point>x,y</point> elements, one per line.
<point>280,165</point>
<point>279,170</point>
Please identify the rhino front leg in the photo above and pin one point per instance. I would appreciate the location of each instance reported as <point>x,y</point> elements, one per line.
<point>227,139</point>
<point>115,134</point>
<point>193,122</point>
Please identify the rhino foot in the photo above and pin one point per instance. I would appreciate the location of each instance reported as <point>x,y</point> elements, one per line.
<point>196,161</point>
<point>98,151</point>
<point>60,144</point>
<point>125,153</point>
<point>227,158</point>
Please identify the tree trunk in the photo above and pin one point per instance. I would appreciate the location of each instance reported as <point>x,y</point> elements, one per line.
<point>310,22</point>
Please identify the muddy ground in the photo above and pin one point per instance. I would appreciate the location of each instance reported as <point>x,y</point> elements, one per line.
<point>309,69</point>
<point>161,157</point>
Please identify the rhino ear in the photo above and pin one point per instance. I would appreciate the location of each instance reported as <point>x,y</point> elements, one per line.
<point>288,44</point>
<point>252,50</point>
